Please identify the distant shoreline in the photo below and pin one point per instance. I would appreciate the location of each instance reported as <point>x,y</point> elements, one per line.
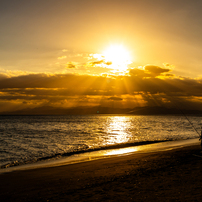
<point>104,111</point>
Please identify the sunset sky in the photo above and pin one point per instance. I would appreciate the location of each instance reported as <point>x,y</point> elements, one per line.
<point>69,53</point>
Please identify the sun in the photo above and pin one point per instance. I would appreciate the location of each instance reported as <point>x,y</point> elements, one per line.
<point>118,56</point>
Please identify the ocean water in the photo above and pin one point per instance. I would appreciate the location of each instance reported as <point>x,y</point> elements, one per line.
<point>29,139</point>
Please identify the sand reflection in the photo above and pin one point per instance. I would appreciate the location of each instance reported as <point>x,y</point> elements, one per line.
<point>121,151</point>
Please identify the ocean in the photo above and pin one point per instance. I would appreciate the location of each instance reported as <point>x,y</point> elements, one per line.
<point>30,139</point>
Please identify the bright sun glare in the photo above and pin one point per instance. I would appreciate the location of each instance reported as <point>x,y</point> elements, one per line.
<point>119,57</point>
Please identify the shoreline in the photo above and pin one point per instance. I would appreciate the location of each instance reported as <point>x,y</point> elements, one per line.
<point>102,153</point>
<point>164,175</point>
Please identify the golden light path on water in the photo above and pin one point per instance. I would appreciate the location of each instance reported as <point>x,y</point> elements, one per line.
<point>118,130</point>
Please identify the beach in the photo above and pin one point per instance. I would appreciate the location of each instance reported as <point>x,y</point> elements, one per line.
<point>170,175</point>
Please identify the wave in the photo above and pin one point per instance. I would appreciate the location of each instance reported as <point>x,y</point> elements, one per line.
<point>87,149</point>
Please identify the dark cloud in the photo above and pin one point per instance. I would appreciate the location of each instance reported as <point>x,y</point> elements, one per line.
<point>149,71</point>
<point>169,75</point>
<point>70,66</point>
<point>108,63</point>
<point>155,70</point>
<point>100,62</point>
<point>97,62</point>
<point>41,81</point>
<point>139,73</point>
<point>115,98</point>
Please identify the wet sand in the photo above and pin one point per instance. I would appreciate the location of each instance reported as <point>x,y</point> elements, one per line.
<point>172,175</point>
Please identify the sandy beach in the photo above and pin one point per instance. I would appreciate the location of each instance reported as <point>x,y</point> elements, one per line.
<point>172,175</point>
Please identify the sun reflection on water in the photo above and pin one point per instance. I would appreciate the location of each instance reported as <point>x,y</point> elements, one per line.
<point>118,130</point>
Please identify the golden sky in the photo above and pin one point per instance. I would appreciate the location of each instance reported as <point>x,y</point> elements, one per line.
<point>87,53</point>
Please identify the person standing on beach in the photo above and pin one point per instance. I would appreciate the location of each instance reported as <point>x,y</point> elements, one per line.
<point>201,137</point>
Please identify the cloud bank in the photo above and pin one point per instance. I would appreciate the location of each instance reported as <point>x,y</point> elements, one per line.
<point>140,88</point>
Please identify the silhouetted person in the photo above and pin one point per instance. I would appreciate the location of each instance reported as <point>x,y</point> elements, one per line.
<point>201,138</point>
